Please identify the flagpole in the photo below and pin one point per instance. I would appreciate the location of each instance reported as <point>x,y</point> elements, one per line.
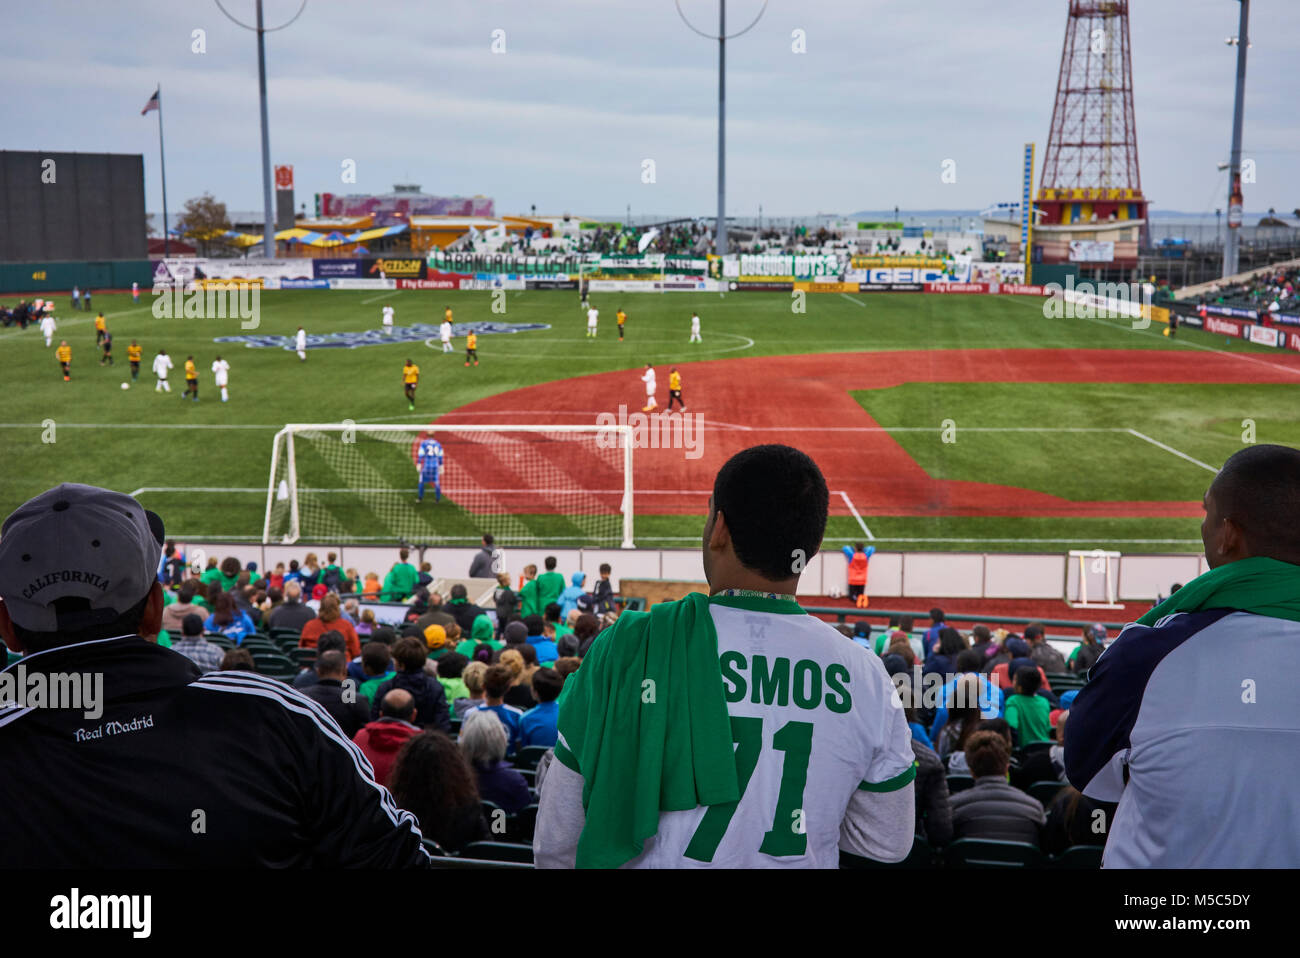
<point>162,166</point>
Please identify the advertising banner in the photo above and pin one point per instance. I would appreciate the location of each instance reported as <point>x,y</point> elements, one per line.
<point>761,286</point>
<point>869,262</point>
<point>957,287</point>
<point>1215,309</point>
<point>920,274</point>
<point>393,267</point>
<point>827,287</point>
<point>263,269</point>
<point>996,273</point>
<point>363,283</point>
<point>1264,336</point>
<point>531,283</point>
<point>1019,289</point>
<point>433,281</point>
<point>1293,341</point>
<point>891,287</point>
<point>1091,251</point>
<point>1286,319</point>
<point>1224,327</point>
<point>304,284</point>
<point>337,268</point>
<point>785,265</point>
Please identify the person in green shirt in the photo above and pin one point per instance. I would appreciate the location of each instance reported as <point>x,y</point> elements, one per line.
<point>401,579</point>
<point>1029,713</point>
<point>450,667</point>
<point>331,575</point>
<point>529,603</point>
<point>550,585</point>
<point>211,573</point>
<point>480,633</point>
<point>377,663</point>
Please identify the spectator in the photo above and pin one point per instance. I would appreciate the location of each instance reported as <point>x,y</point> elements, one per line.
<point>1044,656</point>
<point>1001,674</point>
<point>933,808</point>
<point>461,609</point>
<point>487,562</point>
<point>1027,711</point>
<point>602,593</point>
<point>370,589</point>
<point>437,642</point>
<point>943,659</point>
<point>331,641</point>
<point>410,654</point>
<point>431,778</point>
<point>517,660</point>
<point>931,636</point>
<point>383,738</point>
<point>184,605</point>
<point>483,742</point>
<point>472,676</point>
<point>276,579</point>
<point>194,647</point>
<point>992,808</point>
<point>377,666</point>
<point>537,725</point>
<point>496,682</point>
<point>550,584</point>
<point>330,619</point>
<point>1074,819</point>
<point>451,668</point>
<point>1188,720</point>
<point>366,627</point>
<point>545,648</point>
<point>858,558</point>
<point>529,601</point>
<point>990,697</point>
<point>342,703</point>
<point>1087,652</point>
<point>584,629</point>
<point>229,620</point>
<point>331,576</point>
<point>505,601</point>
<point>310,573</point>
<point>238,660</point>
<point>292,613</point>
<point>981,641</point>
<point>246,743</point>
<point>569,597</point>
<point>435,613</point>
<point>480,633</point>
<point>552,626</point>
<point>566,666</point>
<point>401,579</point>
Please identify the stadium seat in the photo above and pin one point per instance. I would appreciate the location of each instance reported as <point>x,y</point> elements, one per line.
<point>281,633</point>
<point>1078,856</point>
<point>305,658</point>
<point>529,756</point>
<point>988,853</point>
<point>959,783</point>
<point>1045,791</point>
<point>520,827</point>
<point>499,852</point>
<point>215,639</point>
<point>530,776</point>
<point>922,855</point>
<point>455,728</point>
<point>489,810</point>
<point>275,665</point>
<point>433,848</point>
<point>469,864</point>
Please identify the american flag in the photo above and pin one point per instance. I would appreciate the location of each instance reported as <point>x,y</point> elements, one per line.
<point>155,102</point>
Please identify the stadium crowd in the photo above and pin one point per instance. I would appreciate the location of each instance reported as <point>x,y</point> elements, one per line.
<point>1272,291</point>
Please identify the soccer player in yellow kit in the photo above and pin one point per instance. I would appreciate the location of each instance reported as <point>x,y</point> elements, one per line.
<point>471,348</point>
<point>101,327</point>
<point>191,379</point>
<point>411,379</point>
<point>64,353</point>
<point>622,318</point>
<point>133,357</point>
<point>675,390</point>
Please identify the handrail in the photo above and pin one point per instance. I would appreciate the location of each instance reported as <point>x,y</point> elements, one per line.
<point>842,614</point>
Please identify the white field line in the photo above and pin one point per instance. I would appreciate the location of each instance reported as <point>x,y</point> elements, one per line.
<point>852,300</point>
<point>1180,455</point>
<point>849,502</point>
<point>74,321</point>
<point>387,294</point>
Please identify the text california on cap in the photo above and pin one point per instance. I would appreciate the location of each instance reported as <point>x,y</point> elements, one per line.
<point>77,540</point>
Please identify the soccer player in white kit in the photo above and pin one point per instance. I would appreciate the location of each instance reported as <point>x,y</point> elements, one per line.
<point>444,333</point>
<point>221,369</point>
<point>388,320</point>
<point>593,314</point>
<point>649,379</point>
<point>161,363</point>
<point>48,326</point>
<point>135,292</point>
<point>300,344</point>
<point>695,328</point>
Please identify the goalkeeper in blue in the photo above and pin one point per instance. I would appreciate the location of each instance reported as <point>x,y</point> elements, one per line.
<point>428,459</point>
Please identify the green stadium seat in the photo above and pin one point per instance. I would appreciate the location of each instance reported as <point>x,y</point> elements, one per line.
<point>988,853</point>
<point>1078,856</point>
<point>922,855</point>
<point>1046,791</point>
<point>520,827</point>
<point>959,783</point>
<point>529,756</point>
<point>499,852</point>
<point>472,864</point>
<point>530,775</point>
<point>433,848</point>
<point>275,665</point>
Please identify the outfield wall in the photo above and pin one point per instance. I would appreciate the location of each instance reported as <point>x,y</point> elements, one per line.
<point>969,575</point>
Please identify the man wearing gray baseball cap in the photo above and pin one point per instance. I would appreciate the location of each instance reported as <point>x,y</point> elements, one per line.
<point>173,768</point>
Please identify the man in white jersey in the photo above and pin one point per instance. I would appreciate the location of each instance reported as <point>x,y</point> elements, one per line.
<point>300,344</point>
<point>48,326</point>
<point>388,320</point>
<point>444,333</point>
<point>221,369</point>
<point>792,736</point>
<point>648,377</point>
<point>161,364</point>
<point>592,315</point>
<point>695,328</point>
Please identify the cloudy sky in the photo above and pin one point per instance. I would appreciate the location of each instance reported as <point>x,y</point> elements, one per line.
<point>586,90</point>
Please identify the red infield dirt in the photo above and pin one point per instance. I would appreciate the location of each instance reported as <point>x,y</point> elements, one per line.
<point>751,400</point>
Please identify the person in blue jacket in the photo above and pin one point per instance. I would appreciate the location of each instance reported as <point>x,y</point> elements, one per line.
<point>570,596</point>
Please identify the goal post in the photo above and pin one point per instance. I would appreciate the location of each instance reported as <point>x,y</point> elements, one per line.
<point>525,484</point>
<point>1090,579</point>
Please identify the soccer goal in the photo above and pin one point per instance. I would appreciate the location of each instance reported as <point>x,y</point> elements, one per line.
<point>1090,579</point>
<point>526,485</point>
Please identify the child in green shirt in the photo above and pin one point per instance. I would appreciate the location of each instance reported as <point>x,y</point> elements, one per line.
<point>1028,712</point>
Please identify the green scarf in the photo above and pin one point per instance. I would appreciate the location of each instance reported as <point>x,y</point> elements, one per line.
<point>1258,585</point>
<point>643,749</point>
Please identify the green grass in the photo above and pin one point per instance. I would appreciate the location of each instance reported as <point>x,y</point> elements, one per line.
<point>137,438</point>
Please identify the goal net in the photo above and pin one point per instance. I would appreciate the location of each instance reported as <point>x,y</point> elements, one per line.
<point>526,485</point>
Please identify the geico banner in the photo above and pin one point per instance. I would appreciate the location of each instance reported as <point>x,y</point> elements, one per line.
<point>394,267</point>
<point>920,274</point>
<point>363,284</point>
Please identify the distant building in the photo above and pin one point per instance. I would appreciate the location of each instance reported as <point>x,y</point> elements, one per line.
<point>397,208</point>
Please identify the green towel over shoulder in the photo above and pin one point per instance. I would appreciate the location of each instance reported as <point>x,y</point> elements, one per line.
<point>645,722</point>
<point>1258,585</point>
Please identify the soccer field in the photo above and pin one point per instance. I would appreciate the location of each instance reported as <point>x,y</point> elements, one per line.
<point>1066,433</point>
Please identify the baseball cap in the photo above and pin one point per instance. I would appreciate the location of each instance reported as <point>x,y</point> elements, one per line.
<point>77,541</point>
<point>435,636</point>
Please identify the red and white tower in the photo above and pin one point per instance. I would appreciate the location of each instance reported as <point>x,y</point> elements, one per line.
<point>1091,189</point>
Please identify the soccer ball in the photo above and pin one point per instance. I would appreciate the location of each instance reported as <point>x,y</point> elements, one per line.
<point>126,385</point>
<point>835,593</point>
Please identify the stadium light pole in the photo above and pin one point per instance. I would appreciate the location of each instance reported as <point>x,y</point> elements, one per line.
<point>720,231</point>
<point>268,211</point>
<point>1235,202</point>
